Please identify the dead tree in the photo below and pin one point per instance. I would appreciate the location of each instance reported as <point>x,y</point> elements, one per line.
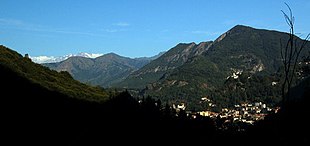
<point>290,54</point>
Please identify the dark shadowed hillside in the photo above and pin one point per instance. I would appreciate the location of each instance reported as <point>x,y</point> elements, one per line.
<point>61,82</point>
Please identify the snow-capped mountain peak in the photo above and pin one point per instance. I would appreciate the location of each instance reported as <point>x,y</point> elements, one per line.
<point>89,55</point>
<point>52,59</point>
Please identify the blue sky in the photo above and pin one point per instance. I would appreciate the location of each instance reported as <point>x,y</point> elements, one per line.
<point>133,28</point>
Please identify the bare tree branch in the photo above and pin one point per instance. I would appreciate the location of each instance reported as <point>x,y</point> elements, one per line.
<point>290,54</point>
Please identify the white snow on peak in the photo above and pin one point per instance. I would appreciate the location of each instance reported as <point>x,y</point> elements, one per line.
<point>53,59</point>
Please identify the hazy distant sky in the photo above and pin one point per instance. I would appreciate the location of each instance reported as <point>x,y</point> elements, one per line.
<point>133,28</point>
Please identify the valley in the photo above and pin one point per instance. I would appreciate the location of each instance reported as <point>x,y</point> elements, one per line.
<point>208,90</point>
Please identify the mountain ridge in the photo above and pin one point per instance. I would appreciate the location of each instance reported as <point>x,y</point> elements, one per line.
<point>171,59</point>
<point>104,70</point>
<point>54,59</point>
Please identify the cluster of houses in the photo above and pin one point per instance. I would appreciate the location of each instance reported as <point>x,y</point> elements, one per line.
<point>245,112</point>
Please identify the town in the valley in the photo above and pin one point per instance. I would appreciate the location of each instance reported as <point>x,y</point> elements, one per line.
<point>245,112</point>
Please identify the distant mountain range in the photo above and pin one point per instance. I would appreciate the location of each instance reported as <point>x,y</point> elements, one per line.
<point>54,59</point>
<point>104,70</point>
